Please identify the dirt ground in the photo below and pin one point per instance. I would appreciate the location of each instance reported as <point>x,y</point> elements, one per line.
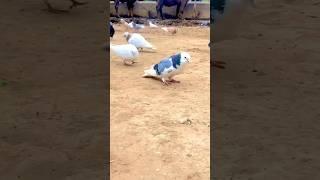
<point>267,99</point>
<point>53,92</point>
<point>148,137</point>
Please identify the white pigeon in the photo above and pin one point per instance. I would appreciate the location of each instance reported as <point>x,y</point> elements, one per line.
<point>135,26</point>
<point>152,25</point>
<point>171,30</point>
<point>124,22</point>
<point>168,68</point>
<point>127,52</point>
<point>138,40</point>
<point>132,25</point>
<point>165,29</point>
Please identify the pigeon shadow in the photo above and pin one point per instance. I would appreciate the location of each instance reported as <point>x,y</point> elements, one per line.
<point>146,51</point>
<point>154,78</point>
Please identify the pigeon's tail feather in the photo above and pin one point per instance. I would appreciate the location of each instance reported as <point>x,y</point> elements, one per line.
<point>150,72</point>
<point>148,45</point>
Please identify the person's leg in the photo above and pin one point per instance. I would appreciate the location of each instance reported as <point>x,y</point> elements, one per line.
<point>116,6</point>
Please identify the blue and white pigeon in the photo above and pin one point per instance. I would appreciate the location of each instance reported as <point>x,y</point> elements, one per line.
<point>168,68</point>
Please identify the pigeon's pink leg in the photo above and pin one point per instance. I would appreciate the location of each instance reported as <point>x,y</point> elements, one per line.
<point>125,62</point>
<point>173,81</point>
<point>164,82</point>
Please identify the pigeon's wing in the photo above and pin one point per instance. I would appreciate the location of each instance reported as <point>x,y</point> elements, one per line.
<point>130,25</point>
<point>134,53</point>
<point>139,41</point>
<point>140,26</point>
<point>123,51</point>
<point>136,41</point>
<point>145,42</point>
<point>164,67</point>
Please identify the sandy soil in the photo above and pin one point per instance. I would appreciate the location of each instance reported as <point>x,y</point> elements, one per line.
<point>52,105</point>
<point>148,137</point>
<point>267,100</point>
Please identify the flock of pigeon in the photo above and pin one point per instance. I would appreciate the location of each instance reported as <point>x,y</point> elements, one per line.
<point>165,70</point>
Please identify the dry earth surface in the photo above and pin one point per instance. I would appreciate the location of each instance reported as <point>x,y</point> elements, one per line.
<point>267,99</point>
<point>149,138</point>
<point>53,92</point>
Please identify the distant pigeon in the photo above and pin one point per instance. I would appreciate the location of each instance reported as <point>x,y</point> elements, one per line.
<point>112,31</point>
<point>136,26</point>
<point>138,41</point>
<point>152,25</point>
<point>171,30</point>
<point>168,68</point>
<point>127,52</point>
<point>132,25</point>
<point>124,22</point>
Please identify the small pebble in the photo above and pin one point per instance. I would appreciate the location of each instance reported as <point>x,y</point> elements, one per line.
<point>186,121</point>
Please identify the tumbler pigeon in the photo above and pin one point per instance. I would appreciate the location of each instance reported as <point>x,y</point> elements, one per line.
<point>168,68</point>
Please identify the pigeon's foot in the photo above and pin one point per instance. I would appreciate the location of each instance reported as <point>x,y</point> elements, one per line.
<point>165,83</point>
<point>125,62</point>
<point>174,81</point>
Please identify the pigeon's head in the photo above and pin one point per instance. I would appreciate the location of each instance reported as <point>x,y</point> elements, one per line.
<point>185,57</point>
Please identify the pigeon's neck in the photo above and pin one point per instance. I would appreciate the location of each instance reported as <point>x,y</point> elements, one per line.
<point>176,60</point>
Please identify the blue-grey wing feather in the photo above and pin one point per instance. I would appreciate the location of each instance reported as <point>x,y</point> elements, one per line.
<point>176,60</point>
<point>162,65</point>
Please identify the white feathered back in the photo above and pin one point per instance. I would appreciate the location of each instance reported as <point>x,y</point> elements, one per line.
<point>138,40</point>
<point>125,51</point>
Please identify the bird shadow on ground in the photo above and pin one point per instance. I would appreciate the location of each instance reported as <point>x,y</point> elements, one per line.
<point>146,51</point>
